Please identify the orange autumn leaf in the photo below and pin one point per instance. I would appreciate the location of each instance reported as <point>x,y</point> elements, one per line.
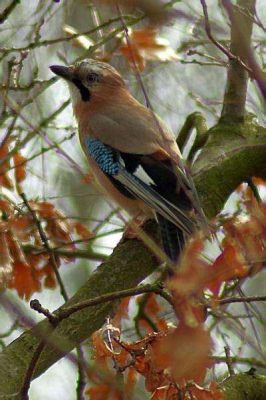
<point>5,180</point>
<point>188,283</point>
<point>184,352</point>
<point>249,231</point>
<point>50,281</point>
<point>22,226</point>
<point>200,393</point>
<point>5,206</point>
<point>46,209</point>
<point>83,231</point>
<point>230,264</point>
<point>20,169</point>
<point>27,281</point>
<point>28,278</point>
<point>130,381</point>
<point>4,150</point>
<point>15,248</point>
<point>24,281</point>
<point>167,392</point>
<point>99,346</point>
<point>152,308</point>
<point>193,270</point>
<point>145,45</point>
<point>58,228</point>
<point>258,181</point>
<point>58,231</point>
<point>121,312</point>
<point>104,391</point>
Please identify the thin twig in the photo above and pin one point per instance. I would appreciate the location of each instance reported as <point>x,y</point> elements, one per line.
<point>66,312</point>
<point>229,361</point>
<point>36,306</point>
<point>30,370</point>
<point>42,151</point>
<point>257,73</point>
<point>50,42</point>
<point>142,315</point>
<point>218,44</point>
<point>82,374</point>
<point>240,360</point>
<point>85,254</point>
<point>242,299</point>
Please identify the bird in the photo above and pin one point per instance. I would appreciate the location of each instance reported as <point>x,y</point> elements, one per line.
<point>131,151</point>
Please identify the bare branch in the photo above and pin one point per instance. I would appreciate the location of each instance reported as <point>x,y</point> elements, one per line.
<point>8,10</point>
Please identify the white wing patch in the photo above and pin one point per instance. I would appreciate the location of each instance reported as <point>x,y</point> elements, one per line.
<point>156,201</point>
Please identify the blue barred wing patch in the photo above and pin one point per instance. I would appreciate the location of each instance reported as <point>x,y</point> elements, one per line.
<point>104,156</point>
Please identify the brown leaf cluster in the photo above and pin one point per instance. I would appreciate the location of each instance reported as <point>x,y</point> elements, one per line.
<point>27,263</point>
<point>19,164</point>
<point>243,252</point>
<point>169,362</point>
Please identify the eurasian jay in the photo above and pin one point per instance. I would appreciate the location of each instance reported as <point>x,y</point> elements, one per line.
<point>131,151</point>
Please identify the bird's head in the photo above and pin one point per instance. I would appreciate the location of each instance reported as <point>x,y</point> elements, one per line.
<point>89,80</point>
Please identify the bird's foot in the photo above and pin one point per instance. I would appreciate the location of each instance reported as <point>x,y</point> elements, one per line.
<point>133,226</point>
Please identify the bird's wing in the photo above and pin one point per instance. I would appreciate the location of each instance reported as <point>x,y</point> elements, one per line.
<point>131,128</point>
<point>145,178</point>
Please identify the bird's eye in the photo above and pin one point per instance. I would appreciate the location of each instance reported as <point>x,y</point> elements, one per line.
<point>93,77</point>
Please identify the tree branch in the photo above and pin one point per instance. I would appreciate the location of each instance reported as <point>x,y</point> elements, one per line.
<point>246,386</point>
<point>237,76</point>
<point>8,10</point>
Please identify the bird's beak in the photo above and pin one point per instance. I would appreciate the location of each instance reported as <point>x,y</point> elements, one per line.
<point>64,72</point>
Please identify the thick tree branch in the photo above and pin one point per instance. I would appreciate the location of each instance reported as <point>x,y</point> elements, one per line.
<point>237,76</point>
<point>234,153</point>
<point>247,386</point>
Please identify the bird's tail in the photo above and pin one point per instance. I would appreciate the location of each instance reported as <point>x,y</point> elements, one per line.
<point>172,238</point>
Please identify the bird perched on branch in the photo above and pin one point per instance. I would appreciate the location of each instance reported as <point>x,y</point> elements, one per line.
<point>131,151</point>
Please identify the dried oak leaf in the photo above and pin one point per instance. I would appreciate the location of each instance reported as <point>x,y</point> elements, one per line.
<point>20,167</point>
<point>212,392</point>
<point>145,45</point>
<point>24,280</point>
<point>152,308</point>
<point>188,283</point>
<point>83,231</point>
<point>184,352</point>
<point>5,180</point>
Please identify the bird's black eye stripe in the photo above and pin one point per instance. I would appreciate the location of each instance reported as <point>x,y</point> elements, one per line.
<point>84,92</point>
<point>93,77</point>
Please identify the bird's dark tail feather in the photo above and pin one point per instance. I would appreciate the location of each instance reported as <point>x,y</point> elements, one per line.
<point>172,238</point>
